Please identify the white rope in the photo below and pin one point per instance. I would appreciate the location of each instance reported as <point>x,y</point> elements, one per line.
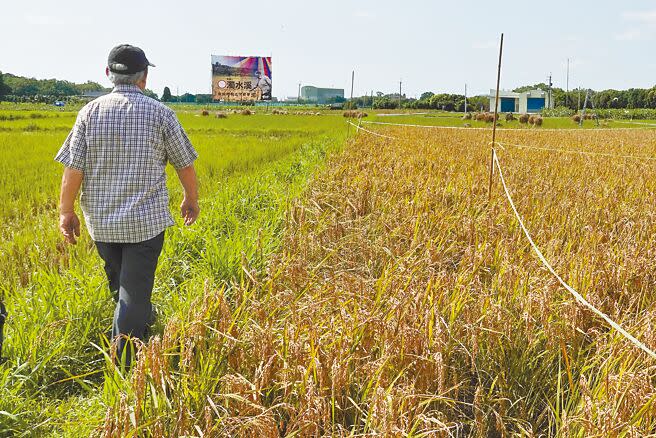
<point>498,129</point>
<point>370,132</point>
<point>570,289</point>
<point>635,123</point>
<point>574,151</point>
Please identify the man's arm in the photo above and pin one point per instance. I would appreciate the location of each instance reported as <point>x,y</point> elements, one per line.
<point>69,223</point>
<point>189,207</point>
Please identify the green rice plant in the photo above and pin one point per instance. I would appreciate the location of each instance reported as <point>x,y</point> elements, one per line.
<point>60,308</point>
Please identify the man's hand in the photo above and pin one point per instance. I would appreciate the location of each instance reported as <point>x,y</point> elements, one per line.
<point>69,225</point>
<point>189,210</point>
<point>189,207</point>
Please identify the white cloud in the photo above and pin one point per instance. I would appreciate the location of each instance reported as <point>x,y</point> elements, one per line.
<point>641,26</point>
<point>367,15</point>
<point>629,35</point>
<point>647,17</point>
<point>484,45</point>
<point>41,20</point>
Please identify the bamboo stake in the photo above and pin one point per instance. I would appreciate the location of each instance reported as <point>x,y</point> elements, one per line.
<point>494,127</point>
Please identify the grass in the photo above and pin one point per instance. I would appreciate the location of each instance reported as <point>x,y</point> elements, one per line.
<point>250,168</point>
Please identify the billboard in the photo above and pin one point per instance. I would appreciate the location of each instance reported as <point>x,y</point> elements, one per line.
<point>241,78</point>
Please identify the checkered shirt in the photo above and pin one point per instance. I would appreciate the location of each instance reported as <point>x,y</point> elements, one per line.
<point>122,142</point>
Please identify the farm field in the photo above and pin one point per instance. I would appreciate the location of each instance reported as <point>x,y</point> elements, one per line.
<point>454,119</point>
<point>250,168</point>
<point>343,284</point>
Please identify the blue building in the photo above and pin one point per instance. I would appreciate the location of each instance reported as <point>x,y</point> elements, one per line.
<point>533,101</point>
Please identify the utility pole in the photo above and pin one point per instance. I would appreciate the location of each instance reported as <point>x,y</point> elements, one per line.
<point>298,99</point>
<point>567,84</point>
<point>551,105</point>
<point>465,98</point>
<point>400,94</point>
<point>352,81</point>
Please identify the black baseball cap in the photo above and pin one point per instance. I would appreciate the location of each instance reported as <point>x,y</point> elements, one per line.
<point>126,59</point>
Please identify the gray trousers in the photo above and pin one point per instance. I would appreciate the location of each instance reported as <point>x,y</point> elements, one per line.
<point>130,269</point>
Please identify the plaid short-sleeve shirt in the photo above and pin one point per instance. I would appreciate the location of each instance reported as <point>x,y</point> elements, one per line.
<point>122,142</point>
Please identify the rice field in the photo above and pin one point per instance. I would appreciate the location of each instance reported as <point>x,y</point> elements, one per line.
<point>343,284</point>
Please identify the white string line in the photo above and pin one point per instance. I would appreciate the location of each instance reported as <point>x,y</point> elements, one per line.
<point>635,123</point>
<point>370,132</point>
<point>574,151</point>
<point>570,289</point>
<point>500,129</point>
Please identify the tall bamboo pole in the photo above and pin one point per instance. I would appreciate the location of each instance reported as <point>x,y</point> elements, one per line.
<point>494,127</point>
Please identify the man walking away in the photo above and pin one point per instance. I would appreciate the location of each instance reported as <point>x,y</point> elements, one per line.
<point>117,153</point>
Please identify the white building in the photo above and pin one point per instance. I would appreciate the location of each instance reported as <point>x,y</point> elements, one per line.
<point>527,102</point>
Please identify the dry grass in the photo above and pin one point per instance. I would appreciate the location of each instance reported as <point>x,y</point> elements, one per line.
<point>404,304</point>
<point>353,114</point>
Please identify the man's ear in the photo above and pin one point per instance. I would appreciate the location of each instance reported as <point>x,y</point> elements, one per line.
<point>107,71</point>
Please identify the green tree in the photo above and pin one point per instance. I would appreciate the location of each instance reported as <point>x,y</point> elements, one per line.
<point>150,93</point>
<point>426,95</point>
<point>4,88</point>
<point>166,95</point>
<point>188,98</point>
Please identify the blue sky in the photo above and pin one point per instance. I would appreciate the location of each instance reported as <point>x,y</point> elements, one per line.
<point>429,45</point>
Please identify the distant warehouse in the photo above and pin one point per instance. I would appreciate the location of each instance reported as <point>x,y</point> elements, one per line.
<point>322,95</point>
<point>532,101</point>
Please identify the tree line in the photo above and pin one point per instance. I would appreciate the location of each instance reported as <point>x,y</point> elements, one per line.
<point>19,88</point>
<point>22,89</point>
<point>573,100</point>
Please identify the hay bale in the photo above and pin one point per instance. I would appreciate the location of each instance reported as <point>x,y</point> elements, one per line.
<point>317,113</point>
<point>538,121</point>
<point>467,125</point>
<point>480,117</point>
<point>576,118</point>
<point>349,114</point>
<point>531,120</point>
<point>510,117</point>
<point>363,114</point>
<point>523,118</point>
<point>246,112</point>
<point>205,113</point>
<point>221,115</point>
<point>467,116</point>
<point>490,118</point>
